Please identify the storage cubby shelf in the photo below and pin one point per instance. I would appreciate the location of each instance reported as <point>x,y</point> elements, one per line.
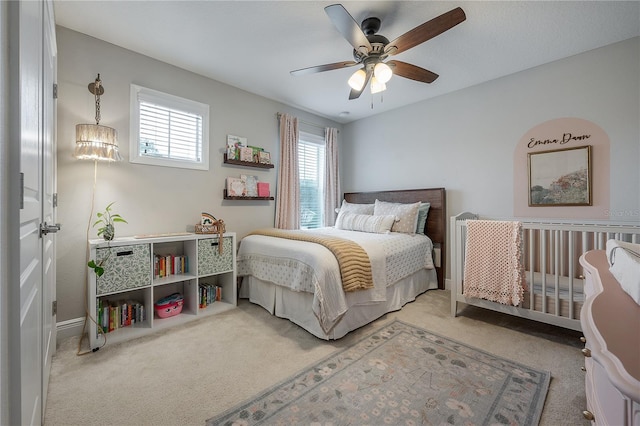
<point>130,277</point>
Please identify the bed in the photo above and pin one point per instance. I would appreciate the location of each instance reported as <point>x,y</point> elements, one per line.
<point>300,280</point>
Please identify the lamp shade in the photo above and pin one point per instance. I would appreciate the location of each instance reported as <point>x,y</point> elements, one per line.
<point>357,80</point>
<point>96,142</point>
<point>377,86</point>
<point>382,72</point>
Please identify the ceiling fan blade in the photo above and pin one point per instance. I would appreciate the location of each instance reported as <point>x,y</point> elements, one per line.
<point>412,72</point>
<point>348,27</point>
<point>326,67</point>
<point>355,94</point>
<point>426,31</point>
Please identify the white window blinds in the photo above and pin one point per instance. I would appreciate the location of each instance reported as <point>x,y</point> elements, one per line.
<point>168,130</point>
<point>311,165</point>
<point>169,133</point>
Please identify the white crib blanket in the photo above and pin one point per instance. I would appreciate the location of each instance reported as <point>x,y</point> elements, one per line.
<point>624,264</point>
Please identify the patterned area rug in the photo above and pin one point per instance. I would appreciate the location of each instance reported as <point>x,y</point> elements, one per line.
<point>401,374</point>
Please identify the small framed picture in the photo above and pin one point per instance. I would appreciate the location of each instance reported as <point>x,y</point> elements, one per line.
<point>561,177</point>
<point>264,157</point>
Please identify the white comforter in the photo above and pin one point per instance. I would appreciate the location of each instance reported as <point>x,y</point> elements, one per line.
<point>310,267</point>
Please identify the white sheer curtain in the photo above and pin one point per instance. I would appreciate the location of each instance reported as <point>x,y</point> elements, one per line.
<point>288,200</point>
<point>332,176</point>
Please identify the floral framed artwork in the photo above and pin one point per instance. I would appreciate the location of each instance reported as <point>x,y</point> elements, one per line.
<point>560,177</point>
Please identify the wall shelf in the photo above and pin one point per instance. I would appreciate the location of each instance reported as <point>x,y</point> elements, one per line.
<point>227,197</point>
<point>246,164</point>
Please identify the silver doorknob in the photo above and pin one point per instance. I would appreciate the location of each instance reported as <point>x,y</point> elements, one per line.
<point>45,229</point>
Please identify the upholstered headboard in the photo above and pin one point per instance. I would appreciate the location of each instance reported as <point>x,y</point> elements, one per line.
<point>436,227</point>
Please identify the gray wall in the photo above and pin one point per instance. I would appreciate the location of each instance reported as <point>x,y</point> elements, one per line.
<point>465,141</point>
<point>152,199</point>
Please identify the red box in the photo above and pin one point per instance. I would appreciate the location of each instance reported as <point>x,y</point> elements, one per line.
<point>263,189</point>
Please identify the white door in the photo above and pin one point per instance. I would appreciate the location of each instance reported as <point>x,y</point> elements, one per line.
<point>48,202</point>
<point>31,278</point>
<point>36,107</point>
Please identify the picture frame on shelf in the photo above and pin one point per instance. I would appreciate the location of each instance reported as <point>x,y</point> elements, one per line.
<point>264,157</point>
<point>560,177</point>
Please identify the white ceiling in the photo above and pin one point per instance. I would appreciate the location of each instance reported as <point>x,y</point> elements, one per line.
<point>253,45</point>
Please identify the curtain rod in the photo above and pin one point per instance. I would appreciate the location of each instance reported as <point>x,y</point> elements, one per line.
<point>308,123</point>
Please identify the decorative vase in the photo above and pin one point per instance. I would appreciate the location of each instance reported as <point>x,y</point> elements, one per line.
<point>109,232</point>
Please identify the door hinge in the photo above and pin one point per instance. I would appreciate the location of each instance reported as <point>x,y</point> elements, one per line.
<point>54,308</point>
<point>55,90</point>
<point>55,199</point>
<point>21,191</point>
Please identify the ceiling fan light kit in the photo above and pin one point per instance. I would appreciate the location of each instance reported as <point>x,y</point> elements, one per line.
<point>357,80</point>
<point>382,72</point>
<point>377,86</point>
<point>371,49</point>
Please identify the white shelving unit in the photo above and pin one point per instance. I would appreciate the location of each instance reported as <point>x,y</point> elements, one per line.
<point>129,276</point>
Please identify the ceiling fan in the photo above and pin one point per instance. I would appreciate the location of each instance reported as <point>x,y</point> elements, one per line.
<point>371,49</point>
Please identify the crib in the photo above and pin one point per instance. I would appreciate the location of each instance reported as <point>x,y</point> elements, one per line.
<point>550,256</point>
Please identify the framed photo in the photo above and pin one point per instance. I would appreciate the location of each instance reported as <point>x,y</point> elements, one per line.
<point>264,157</point>
<point>561,177</point>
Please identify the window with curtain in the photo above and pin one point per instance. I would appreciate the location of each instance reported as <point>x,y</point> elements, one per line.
<point>311,168</point>
<point>168,131</point>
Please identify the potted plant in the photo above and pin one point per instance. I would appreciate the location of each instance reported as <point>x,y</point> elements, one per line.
<point>106,220</point>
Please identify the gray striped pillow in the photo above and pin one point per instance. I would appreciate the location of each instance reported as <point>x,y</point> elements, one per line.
<point>365,223</point>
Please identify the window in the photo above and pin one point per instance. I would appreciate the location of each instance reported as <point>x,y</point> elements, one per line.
<point>168,131</point>
<point>311,149</point>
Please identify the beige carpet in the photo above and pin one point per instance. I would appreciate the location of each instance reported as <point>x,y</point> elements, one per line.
<point>188,374</point>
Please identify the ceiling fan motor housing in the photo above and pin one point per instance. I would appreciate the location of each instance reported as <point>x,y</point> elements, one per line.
<point>370,27</point>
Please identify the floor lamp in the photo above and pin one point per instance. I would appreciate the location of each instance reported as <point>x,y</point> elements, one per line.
<point>98,143</point>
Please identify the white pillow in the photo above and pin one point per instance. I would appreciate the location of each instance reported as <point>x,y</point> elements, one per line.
<point>355,208</point>
<point>407,215</point>
<point>365,222</point>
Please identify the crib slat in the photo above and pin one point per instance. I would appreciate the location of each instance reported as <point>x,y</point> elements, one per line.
<point>571,273</point>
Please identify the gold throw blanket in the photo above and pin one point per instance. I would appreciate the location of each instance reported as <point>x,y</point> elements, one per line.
<point>355,266</point>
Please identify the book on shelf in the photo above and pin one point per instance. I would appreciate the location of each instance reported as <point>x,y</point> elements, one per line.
<point>250,184</point>
<point>112,315</point>
<point>234,143</point>
<point>264,157</point>
<point>263,189</point>
<point>208,294</point>
<point>246,154</point>
<point>236,187</point>
<point>169,264</point>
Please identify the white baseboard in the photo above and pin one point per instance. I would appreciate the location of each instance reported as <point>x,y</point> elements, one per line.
<point>69,328</point>
<point>447,284</point>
